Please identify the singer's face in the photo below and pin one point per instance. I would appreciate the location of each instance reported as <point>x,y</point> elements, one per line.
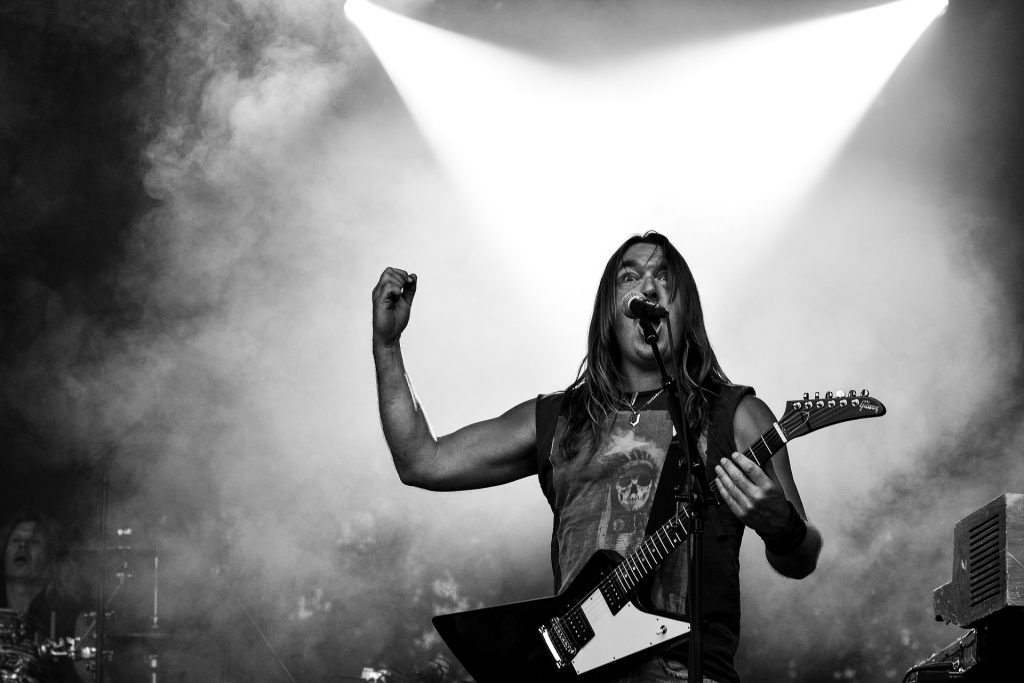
<point>644,270</point>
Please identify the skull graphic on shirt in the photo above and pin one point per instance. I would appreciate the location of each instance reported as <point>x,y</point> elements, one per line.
<point>635,482</point>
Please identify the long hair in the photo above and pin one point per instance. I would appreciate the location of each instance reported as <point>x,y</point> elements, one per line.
<point>61,581</point>
<point>597,390</point>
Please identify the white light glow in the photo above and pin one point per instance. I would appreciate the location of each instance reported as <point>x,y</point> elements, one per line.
<point>717,141</point>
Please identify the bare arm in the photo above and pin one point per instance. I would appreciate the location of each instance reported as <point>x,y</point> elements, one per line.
<point>482,454</point>
<point>759,497</point>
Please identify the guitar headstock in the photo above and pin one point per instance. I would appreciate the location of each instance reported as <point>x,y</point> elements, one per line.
<point>809,413</point>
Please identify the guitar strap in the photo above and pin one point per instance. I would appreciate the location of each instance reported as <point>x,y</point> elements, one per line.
<point>673,473</point>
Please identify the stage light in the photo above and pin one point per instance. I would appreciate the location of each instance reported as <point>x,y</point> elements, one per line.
<point>716,141</point>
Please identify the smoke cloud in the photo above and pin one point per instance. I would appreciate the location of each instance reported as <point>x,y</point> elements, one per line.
<point>198,198</point>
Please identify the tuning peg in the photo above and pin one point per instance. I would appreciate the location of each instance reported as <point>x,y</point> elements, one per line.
<point>828,394</point>
<point>852,393</point>
<point>816,395</point>
<point>864,392</point>
<point>807,397</point>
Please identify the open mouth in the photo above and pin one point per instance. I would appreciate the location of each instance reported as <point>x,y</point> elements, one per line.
<point>657,326</point>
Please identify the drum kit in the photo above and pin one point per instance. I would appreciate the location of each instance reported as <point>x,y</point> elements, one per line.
<point>30,651</point>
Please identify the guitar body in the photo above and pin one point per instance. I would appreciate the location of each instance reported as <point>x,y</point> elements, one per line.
<point>503,644</point>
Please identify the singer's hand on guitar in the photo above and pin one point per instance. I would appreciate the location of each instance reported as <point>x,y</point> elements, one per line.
<point>392,303</point>
<point>754,497</point>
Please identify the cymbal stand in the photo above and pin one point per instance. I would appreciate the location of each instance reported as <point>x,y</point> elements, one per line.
<point>101,606</point>
<point>153,655</point>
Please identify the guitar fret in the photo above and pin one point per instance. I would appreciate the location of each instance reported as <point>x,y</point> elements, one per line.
<point>624,588</point>
<point>760,451</point>
<point>664,550</point>
<point>623,579</point>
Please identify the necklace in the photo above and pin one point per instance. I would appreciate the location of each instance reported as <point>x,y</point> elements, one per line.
<point>635,420</point>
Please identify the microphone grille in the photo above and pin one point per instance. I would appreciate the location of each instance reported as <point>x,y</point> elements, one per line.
<point>627,299</point>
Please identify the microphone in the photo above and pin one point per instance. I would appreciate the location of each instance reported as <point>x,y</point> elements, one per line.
<point>636,305</point>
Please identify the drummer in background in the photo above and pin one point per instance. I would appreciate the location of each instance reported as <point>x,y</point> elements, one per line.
<point>37,584</point>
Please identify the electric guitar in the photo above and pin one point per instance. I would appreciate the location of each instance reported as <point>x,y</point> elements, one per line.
<point>599,619</point>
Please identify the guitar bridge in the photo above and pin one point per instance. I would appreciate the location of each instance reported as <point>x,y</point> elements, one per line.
<point>557,643</point>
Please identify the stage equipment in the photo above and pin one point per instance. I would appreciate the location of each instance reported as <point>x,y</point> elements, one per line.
<point>988,564</point>
<point>20,658</point>
<point>986,596</point>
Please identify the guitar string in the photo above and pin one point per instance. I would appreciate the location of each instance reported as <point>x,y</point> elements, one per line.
<point>787,422</point>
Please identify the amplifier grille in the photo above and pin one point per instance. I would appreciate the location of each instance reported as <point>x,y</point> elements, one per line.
<point>984,560</point>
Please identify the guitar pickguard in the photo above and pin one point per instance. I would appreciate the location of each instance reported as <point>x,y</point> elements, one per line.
<point>624,633</point>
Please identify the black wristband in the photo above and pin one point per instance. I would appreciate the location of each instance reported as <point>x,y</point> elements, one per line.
<point>791,536</point>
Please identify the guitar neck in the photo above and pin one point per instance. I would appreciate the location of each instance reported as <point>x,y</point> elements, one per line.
<point>649,555</point>
<point>762,450</point>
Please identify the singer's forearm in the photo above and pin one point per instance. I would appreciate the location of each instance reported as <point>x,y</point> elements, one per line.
<point>406,429</point>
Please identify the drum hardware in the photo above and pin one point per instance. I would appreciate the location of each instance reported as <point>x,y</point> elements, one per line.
<point>19,652</point>
<point>124,553</point>
<point>72,649</point>
<point>101,601</point>
<point>156,642</point>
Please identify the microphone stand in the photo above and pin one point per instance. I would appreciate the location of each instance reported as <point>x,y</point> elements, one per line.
<point>700,494</point>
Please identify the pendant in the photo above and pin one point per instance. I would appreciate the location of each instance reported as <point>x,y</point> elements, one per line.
<point>635,420</point>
